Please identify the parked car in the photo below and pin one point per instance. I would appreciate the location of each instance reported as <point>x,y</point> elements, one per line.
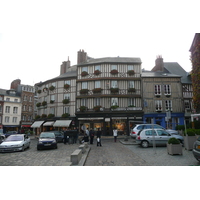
<point>10,133</point>
<point>17,142</point>
<point>147,137</point>
<point>47,140</point>
<point>59,136</point>
<point>139,127</point>
<point>196,149</point>
<point>2,138</point>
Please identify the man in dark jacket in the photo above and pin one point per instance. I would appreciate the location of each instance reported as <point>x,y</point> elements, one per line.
<point>91,136</point>
<point>99,137</point>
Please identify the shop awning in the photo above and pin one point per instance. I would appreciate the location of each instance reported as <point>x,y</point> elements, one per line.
<point>37,124</point>
<point>62,123</point>
<point>25,125</point>
<point>48,123</point>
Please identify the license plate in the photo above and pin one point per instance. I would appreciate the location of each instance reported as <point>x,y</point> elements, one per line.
<point>47,144</point>
<point>198,147</point>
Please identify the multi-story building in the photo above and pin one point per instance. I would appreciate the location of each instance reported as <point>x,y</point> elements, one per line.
<point>27,93</point>
<point>57,100</point>
<point>163,96</point>
<point>11,110</point>
<point>108,93</point>
<point>195,74</point>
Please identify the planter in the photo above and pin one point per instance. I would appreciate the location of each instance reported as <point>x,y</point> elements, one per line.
<point>84,91</point>
<point>131,72</point>
<point>84,73</point>
<point>97,108</point>
<point>97,72</point>
<point>114,107</point>
<point>131,90</point>
<point>189,141</point>
<point>44,103</point>
<point>114,90</point>
<point>66,86</point>
<point>168,95</point>
<point>97,90</point>
<point>158,95</point>
<point>65,115</point>
<point>65,101</point>
<point>174,149</point>
<point>38,104</point>
<point>51,88</point>
<point>45,89</point>
<point>83,108</point>
<point>39,91</point>
<point>52,101</point>
<point>114,72</point>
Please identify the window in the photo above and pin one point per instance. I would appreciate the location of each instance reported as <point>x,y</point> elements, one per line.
<point>168,105</point>
<point>52,110</point>
<point>158,104</point>
<point>14,120</point>
<point>0,108</point>
<point>162,133</point>
<point>130,67</point>
<point>67,96</point>
<point>83,102</point>
<point>131,102</point>
<point>84,85</point>
<point>24,107</point>
<point>7,119</point>
<point>7,109</point>
<point>131,84</point>
<point>30,108</point>
<point>15,110</point>
<point>150,133</point>
<point>97,101</point>
<point>167,89</point>
<point>16,100</point>
<point>97,67</point>
<point>114,84</point>
<point>113,67</point>
<point>187,104</point>
<point>84,69</point>
<point>1,98</point>
<point>114,101</point>
<point>66,109</point>
<point>24,118</point>
<point>53,84</point>
<point>68,82</point>
<point>157,90</point>
<point>30,99</point>
<point>7,99</point>
<point>97,84</point>
<point>30,118</point>
<point>52,97</point>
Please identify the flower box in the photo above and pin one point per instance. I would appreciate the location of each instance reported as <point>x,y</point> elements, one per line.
<point>52,101</point>
<point>52,88</point>
<point>97,108</point>
<point>50,116</point>
<point>131,72</point>
<point>43,116</point>
<point>83,108</point>
<point>114,90</point>
<point>84,73</point>
<point>38,104</point>
<point>157,95</point>
<point>114,107</point>
<point>65,101</point>
<point>174,146</point>
<point>84,91</point>
<point>131,90</point>
<point>65,115</point>
<point>97,72</point>
<point>189,141</point>
<point>66,86</point>
<point>44,103</point>
<point>168,95</point>
<point>39,91</point>
<point>97,90</point>
<point>114,72</point>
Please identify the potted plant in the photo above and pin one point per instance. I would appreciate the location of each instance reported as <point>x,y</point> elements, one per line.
<point>97,108</point>
<point>50,116</point>
<point>131,72</point>
<point>174,146</point>
<point>114,107</point>
<point>131,90</point>
<point>44,103</point>
<point>43,116</point>
<point>65,115</point>
<point>97,90</point>
<point>84,91</point>
<point>114,72</point>
<point>114,90</point>
<point>65,101</point>
<point>97,72</point>
<point>83,108</point>
<point>52,88</point>
<point>52,101</point>
<point>66,86</point>
<point>39,91</point>
<point>84,73</point>
<point>189,138</point>
<point>38,104</point>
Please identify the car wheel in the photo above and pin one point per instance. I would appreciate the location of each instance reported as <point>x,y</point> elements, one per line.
<point>38,148</point>
<point>28,146</point>
<point>144,144</point>
<point>23,148</point>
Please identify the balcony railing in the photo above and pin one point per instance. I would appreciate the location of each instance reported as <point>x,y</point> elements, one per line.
<point>103,109</point>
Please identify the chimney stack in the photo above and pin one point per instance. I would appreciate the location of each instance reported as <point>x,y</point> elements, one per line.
<point>65,65</point>
<point>159,64</point>
<point>15,84</point>
<point>81,57</point>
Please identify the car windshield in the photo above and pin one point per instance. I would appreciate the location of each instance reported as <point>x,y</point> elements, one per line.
<point>47,135</point>
<point>14,138</point>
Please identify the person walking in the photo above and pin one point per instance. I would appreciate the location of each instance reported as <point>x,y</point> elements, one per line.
<point>115,134</point>
<point>91,136</point>
<point>87,132</point>
<point>65,135</point>
<point>99,137</point>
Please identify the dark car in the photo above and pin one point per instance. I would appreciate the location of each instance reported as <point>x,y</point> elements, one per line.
<point>10,133</point>
<point>59,136</point>
<point>196,149</point>
<point>47,140</point>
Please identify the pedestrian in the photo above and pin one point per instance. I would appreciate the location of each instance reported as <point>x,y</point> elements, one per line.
<point>75,136</point>
<point>91,136</point>
<point>85,138</point>
<point>115,134</point>
<point>65,135</point>
<point>99,137</point>
<point>87,132</point>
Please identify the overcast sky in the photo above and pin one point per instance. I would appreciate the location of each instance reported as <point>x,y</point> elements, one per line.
<point>36,36</point>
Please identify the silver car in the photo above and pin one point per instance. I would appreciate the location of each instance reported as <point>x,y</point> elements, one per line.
<point>196,149</point>
<point>138,127</point>
<point>148,137</point>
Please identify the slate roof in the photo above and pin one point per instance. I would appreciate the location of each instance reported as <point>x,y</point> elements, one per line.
<point>158,74</point>
<point>112,60</point>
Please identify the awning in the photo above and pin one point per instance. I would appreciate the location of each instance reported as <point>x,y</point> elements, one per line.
<point>37,124</point>
<point>62,123</point>
<point>48,123</point>
<point>25,125</point>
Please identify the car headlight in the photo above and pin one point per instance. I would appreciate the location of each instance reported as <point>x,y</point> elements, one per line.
<point>40,142</point>
<point>54,141</point>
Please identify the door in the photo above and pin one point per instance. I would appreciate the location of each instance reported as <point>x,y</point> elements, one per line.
<point>163,137</point>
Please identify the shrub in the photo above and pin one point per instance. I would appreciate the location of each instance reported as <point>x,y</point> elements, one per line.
<point>97,108</point>
<point>180,127</point>
<point>190,132</point>
<point>173,141</point>
<point>50,116</point>
<point>43,116</point>
<point>37,116</point>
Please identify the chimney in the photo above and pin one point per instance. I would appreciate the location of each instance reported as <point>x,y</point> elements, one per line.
<point>65,65</point>
<point>159,64</point>
<point>81,57</point>
<point>15,84</point>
